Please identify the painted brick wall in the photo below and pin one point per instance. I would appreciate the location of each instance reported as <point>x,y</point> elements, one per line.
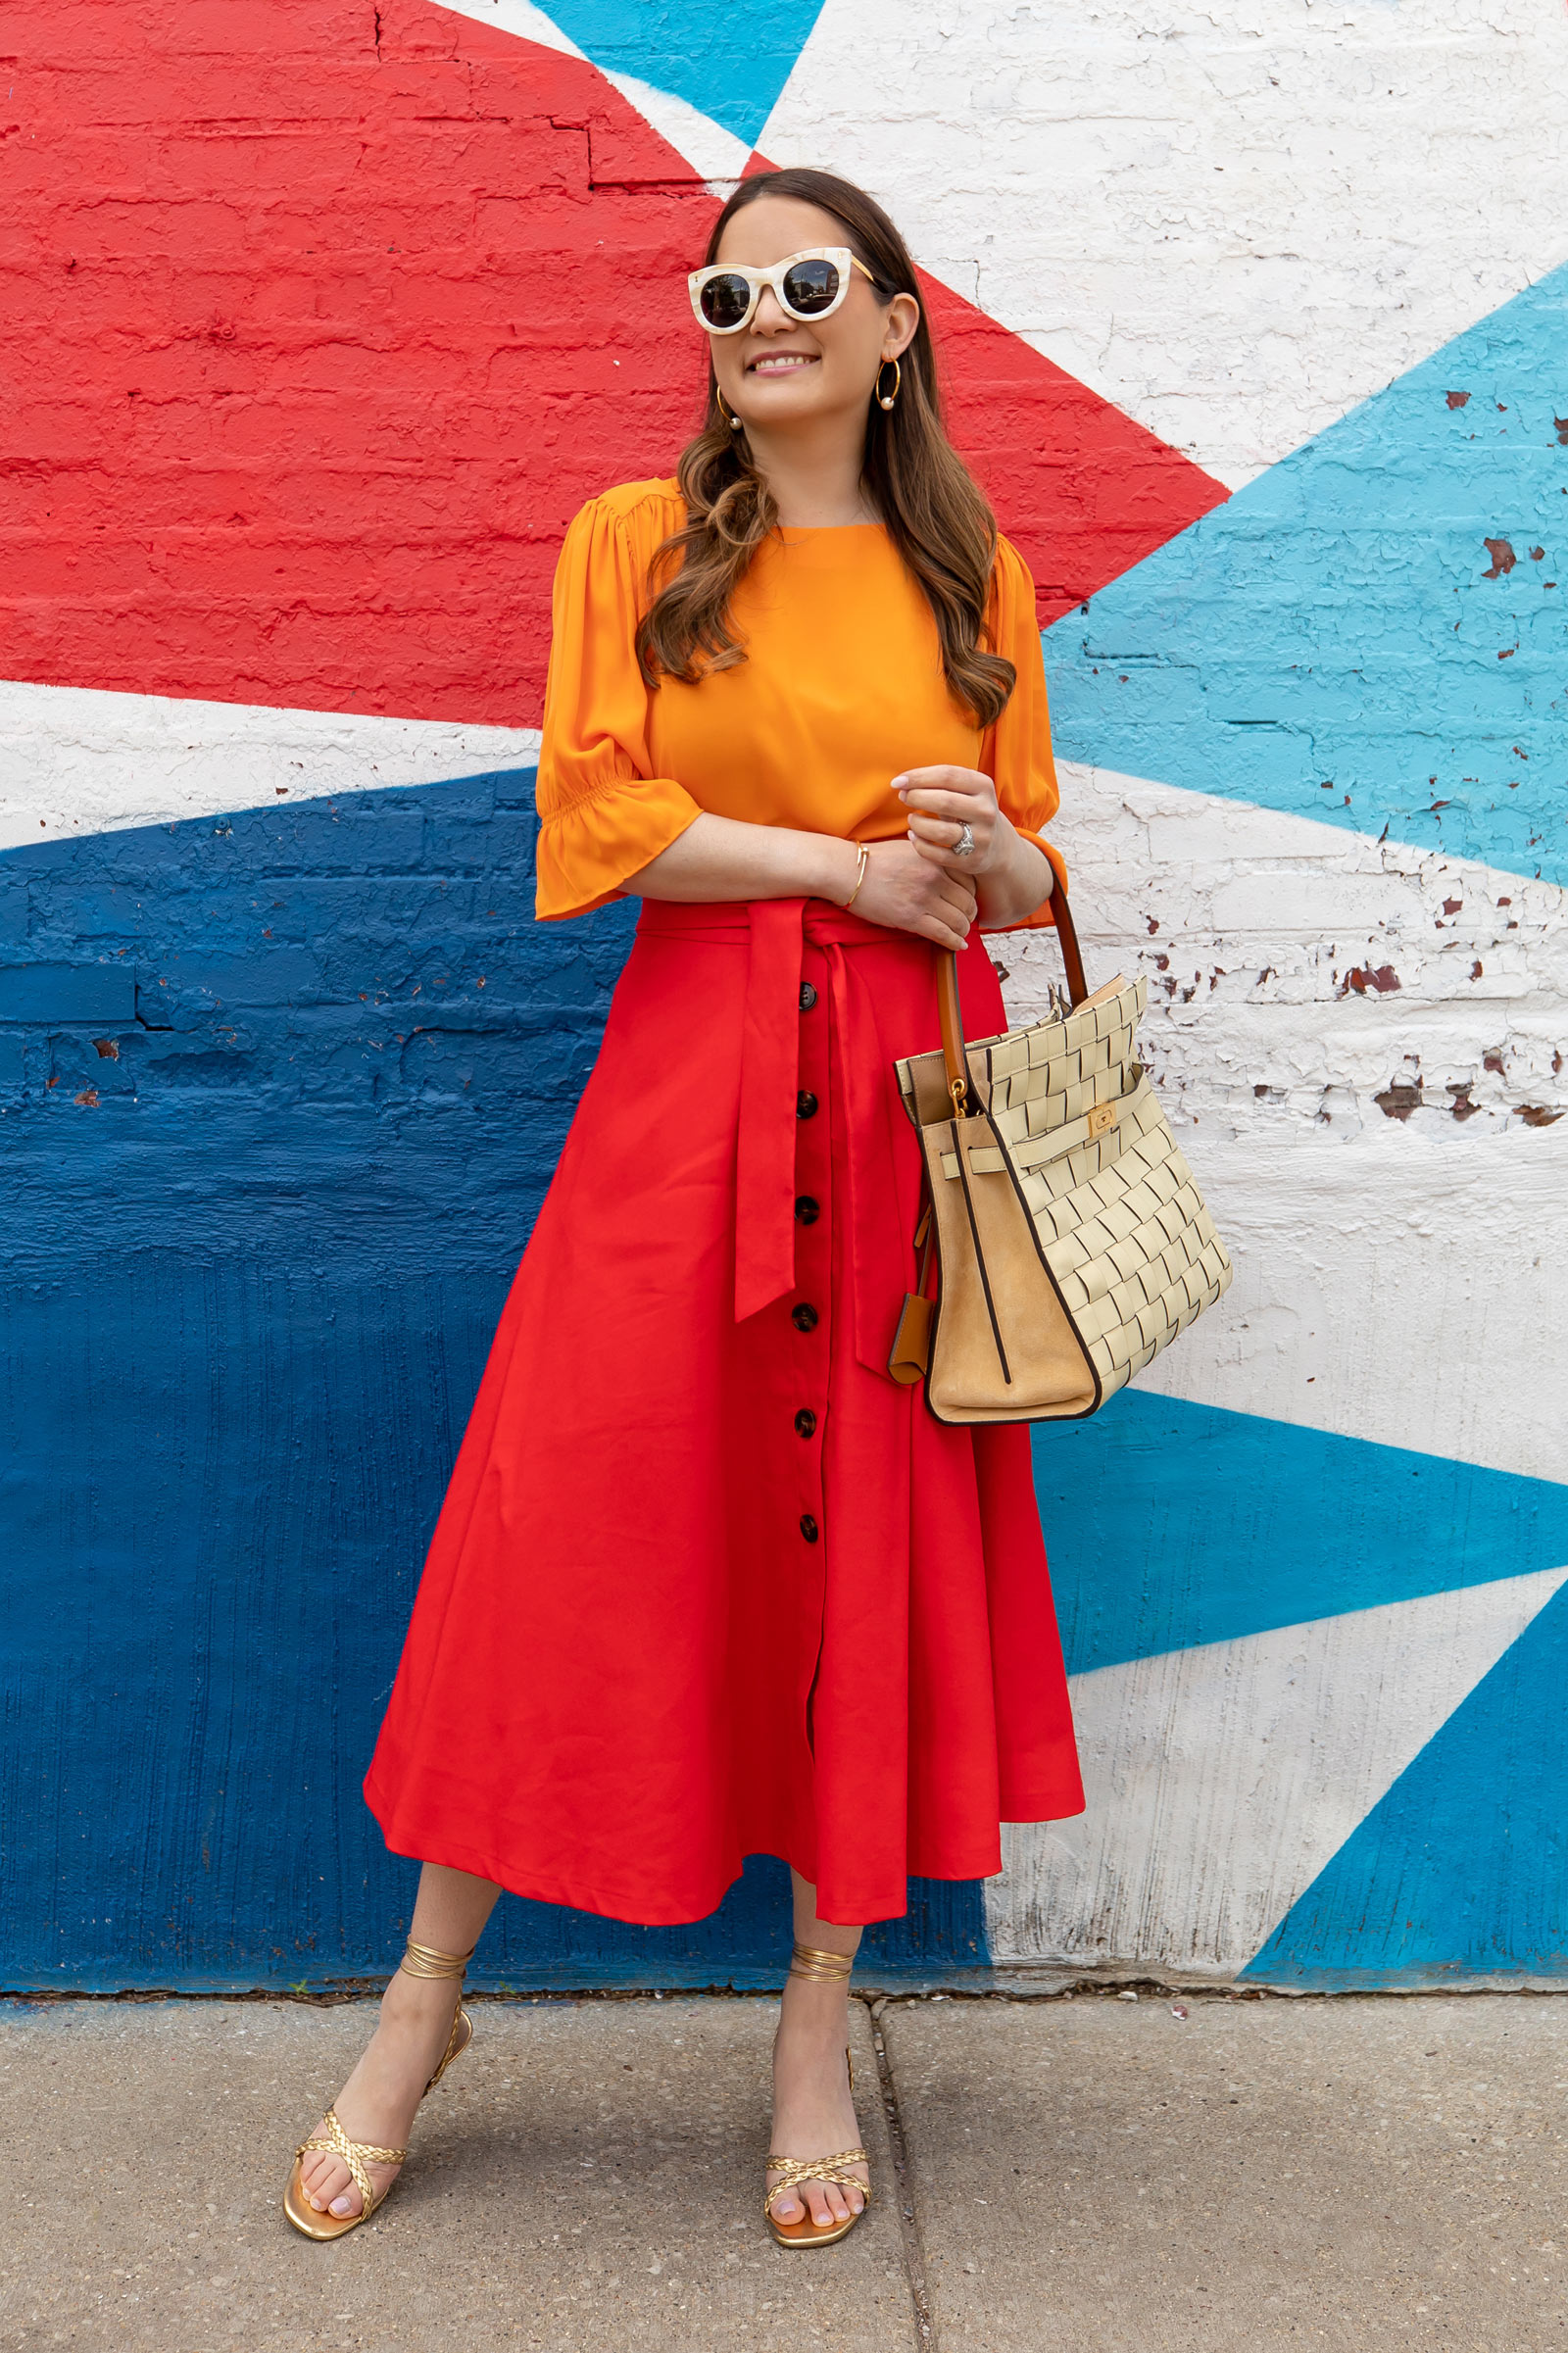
<point>326,316</point>
<point>307,375</point>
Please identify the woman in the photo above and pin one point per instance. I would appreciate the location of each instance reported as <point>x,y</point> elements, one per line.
<point>708,1581</point>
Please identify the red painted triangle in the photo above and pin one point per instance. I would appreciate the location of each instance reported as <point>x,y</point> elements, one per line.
<point>1082,491</point>
<point>332,319</point>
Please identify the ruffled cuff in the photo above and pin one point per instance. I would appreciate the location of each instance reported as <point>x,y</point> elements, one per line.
<point>588,850</point>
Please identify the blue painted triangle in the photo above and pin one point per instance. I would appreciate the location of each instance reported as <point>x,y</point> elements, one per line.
<point>1462,1870</point>
<point>729,63</point>
<point>1169,1524</point>
<point>1372,634</point>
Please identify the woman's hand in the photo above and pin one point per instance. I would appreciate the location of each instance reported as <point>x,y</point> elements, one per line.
<point>941,801</point>
<point>1010,876</point>
<point>909,892</point>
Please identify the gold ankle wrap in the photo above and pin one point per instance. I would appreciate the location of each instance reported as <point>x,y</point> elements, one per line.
<point>423,1961</point>
<point>822,1968</point>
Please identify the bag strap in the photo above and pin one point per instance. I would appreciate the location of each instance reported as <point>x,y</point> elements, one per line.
<point>950,1012</point>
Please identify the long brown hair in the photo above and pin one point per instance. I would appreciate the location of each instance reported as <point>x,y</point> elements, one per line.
<point>926,498</point>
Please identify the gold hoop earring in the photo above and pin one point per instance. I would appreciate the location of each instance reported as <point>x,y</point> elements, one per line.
<point>728,414</point>
<point>885,400</point>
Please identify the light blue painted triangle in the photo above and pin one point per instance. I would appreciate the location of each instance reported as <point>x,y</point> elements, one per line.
<point>1169,1524</point>
<point>729,63</point>
<point>1328,641</point>
<point>1462,1869</point>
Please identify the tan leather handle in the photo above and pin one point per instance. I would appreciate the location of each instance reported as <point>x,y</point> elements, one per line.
<point>950,1012</point>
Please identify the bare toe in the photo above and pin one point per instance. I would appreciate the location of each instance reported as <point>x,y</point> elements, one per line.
<point>321,2176</point>
<point>331,2189</point>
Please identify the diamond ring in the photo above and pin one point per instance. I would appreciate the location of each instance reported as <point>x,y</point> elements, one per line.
<point>963,847</point>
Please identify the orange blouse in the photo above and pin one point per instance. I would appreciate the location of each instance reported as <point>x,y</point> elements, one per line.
<point>841,691</point>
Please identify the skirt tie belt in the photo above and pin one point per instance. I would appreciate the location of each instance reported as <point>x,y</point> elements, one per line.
<point>774,932</point>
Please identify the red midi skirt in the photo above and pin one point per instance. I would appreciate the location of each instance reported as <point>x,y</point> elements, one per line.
<point>707,1583</point>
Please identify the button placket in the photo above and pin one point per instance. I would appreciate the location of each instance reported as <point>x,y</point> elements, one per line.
<point>810,1310</point>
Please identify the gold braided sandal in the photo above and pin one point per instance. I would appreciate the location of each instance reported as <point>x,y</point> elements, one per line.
<point>822,1968</point>
<point>419,1961</point>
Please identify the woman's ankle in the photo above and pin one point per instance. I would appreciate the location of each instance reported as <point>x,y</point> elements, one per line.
<point>412,2001</point>
<point>810,2021</point>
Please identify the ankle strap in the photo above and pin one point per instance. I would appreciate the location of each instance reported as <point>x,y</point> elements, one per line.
<point>822,1968</point>
<point>423,1961</point>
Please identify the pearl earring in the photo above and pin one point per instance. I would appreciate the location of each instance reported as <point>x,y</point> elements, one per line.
<point>728,414</point>
<point>885,400</point>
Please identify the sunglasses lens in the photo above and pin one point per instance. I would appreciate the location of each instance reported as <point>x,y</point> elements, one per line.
<point>724,300</point>
<point>810,287</point>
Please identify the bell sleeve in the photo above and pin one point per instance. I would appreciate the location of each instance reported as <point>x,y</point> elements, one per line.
<point>1016,752</point>
<point>603,813</point>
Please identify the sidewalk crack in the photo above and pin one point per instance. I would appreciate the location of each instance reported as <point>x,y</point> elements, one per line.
<point>915,2268</point>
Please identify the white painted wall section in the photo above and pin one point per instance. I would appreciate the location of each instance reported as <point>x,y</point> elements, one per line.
<point>1221,1780</point>
<point>75,761</point>
<point>1234,220</point>
<point>1389,1168</point>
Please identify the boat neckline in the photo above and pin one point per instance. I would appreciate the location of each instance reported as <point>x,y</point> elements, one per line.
<point>817,530</point>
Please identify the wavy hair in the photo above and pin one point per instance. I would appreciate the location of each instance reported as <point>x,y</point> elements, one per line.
<point>925,495</point>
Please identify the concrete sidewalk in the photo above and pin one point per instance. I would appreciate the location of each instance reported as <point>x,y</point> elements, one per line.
<point>1090,2173</point>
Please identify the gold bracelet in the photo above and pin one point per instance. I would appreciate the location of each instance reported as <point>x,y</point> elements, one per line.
<point>860,875</point>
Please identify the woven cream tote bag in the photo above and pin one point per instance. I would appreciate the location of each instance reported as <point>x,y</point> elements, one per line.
<point>1071,1239</point>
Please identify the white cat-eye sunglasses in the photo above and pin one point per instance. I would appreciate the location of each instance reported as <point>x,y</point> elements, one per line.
<point>809,286</point>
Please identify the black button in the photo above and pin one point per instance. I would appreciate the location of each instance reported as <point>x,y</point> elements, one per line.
<point>809,1527</point>
<point>806,1421</point>
<point>804,1317</point>
<point>805,1106</point>
<point>808,996</point>
<point>806,1210</point>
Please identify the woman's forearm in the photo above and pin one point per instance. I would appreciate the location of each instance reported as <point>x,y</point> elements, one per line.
<point>723,859</point>
<point>1020,882</point>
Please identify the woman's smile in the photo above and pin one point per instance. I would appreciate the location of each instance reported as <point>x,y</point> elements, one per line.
<point>777,363</point>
